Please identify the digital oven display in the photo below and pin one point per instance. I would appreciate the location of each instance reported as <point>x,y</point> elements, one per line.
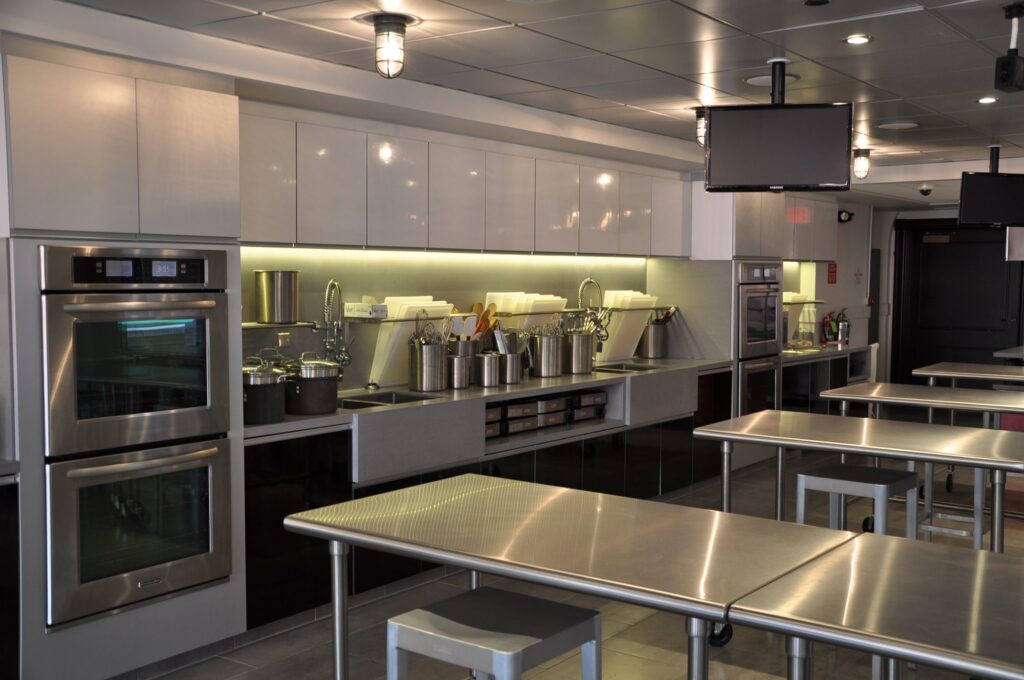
<point>118,268</point>
<point>164,269</point>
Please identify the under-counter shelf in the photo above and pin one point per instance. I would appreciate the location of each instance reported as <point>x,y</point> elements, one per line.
<point>548,435</point>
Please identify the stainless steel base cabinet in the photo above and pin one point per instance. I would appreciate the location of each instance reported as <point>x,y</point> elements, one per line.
<point>287,573</point>
<point>518,467</point>
<point>643,462</point>
<point>561,465</point>
<point>604,464</point>
<point>677,459</point>
<point>10,609</point>
<point>714,404</point>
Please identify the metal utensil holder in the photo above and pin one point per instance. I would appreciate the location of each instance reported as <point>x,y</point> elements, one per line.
<point>511,369</point>
<point>546,351</point>
<point>652,342</point>
<point>579,352</point>
<point>487,368</point>
<point>428,367</point>
<point>460,370</point>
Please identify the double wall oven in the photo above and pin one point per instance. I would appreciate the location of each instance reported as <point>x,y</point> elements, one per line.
<point>136,420</point>
<point>759,333</point>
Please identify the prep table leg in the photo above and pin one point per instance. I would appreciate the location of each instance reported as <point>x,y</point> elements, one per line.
<point>979,509</point>
<point>780,483</point>
<point>893,669</point>
<point>726,476</point>
<point>339,598</point>
<point>699,652</point>
<point>998,501</point>
<point>798,651</point>
<point>844,410</point>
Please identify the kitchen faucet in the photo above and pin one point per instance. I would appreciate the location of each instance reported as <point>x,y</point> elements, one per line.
<point>333,341</point>
<point>584,284</point>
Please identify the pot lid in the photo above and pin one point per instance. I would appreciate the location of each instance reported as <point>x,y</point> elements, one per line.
<point>262,374</point>
<point>314,368</point>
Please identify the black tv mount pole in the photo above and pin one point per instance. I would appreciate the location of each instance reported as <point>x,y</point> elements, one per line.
<point>993,158</point>
<point>778,80</point>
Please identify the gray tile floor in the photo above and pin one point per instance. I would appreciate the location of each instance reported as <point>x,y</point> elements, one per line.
<point>639,643</point>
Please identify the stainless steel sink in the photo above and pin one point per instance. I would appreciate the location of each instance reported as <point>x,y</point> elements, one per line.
<point>355,404</point>
<point>395,397</point>
<point>624,368</point>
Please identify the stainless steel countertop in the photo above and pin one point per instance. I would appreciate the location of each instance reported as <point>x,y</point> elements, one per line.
<point>1010,353</point>
<point>930,397</point>
<point>935,604</point>
<point>952,369</point>
<point>529,387</point>
<point>942,444</point>
<point>802,356</point>
<point>671,557</point>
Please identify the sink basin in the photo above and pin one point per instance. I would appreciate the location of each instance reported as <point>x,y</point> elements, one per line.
<point>624,368</point>
<point>393,397</point>
<point>355,404</point>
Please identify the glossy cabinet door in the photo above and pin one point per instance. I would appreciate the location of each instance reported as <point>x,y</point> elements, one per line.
<point>670,223</point>
<point>599,211</point>
<point>634,214</point>
<point>331,186</point>
<point>188,161</point>
<point>800,213</point>
<point>776,232</point>
<point>456,198</point>
<point>826,230</point>
<point>558,207</point>
<point>510,203</point>
<point>268,179</point>
<point>747,240</point>
<point>73,148</point>
<point>396,192</point>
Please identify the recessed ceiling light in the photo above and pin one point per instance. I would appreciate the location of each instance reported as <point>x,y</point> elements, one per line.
<point>858,39</point>
<point>765,80</point>
<point>898,125</point>
<point>989,99</point>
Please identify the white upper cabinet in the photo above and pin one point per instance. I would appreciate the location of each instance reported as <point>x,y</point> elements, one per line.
<point>748,224</point>
<point>73,148</point>
<point>634,214</point>
<point>599,211</point>
<point>188,161</point>
<point>511,191</point>
<point>456,198</point>
<point>670,219</point>
<point>558,207</point>
<point>801,215</point>
<point>268,179</point>
<point>396,189</point>
<point>776,232</point>
<point>826,230</point>
<point>331,186</point>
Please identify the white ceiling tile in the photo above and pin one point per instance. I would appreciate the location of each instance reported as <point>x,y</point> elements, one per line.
<point>526,11</point>
<point>887,110</point>
<point>757,16</point>
<point>642,92</point>
<point>636,27</point>
<point>1003,121</point>
<point>911,29</point>
<point>912,61</point>
<point>968,101</point>
<point>264,5</point>
<point>853,92</point>
<point>639,119</point>
<point>436,18</point>
<point>808,73</point>
<point>981,18</point>
<point>931,83</point>
<point>506,46</point>
<point>572,74</point>
<point>281,35</point>
<point>486,83</point>
<point>725,54</point>
<point>558,100</point>
<point>183,14</point>
<point>1000,44</point>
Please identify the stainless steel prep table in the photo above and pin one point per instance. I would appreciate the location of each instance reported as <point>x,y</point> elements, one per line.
<point>994,450</point>
<point>954,371</point>
<point>869,595</point>
<point>1010,353</point>
<point>685,560</point>
<point>987,402</point>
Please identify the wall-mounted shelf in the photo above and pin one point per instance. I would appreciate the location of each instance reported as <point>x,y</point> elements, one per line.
<point>250,325</point>
<point>804,302</point>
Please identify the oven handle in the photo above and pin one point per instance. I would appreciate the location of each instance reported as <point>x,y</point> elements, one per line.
<point>750,368</point>
<point>138,306</point>
<point>119,468</point>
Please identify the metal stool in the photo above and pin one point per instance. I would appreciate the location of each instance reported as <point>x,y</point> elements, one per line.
<point>866,482</point>
<point>495,632</point>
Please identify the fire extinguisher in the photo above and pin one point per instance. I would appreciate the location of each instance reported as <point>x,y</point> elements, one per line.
<point>829,328</point>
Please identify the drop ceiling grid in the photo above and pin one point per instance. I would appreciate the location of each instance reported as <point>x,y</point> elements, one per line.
<point>644,63</point>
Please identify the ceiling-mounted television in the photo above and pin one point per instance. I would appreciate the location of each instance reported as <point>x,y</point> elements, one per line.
<point>991,198</point>
<point>771,147</point>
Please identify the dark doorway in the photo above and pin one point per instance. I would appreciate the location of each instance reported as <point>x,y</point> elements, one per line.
<point>874,291</point>
<point>956,298</point>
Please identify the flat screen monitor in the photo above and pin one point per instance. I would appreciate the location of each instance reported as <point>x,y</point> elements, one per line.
<point>802,147</point>
<point>991,198</point>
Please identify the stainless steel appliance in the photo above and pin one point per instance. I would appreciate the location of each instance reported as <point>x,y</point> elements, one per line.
<point>760,309</point>
<point>277,296</point>
<point>130,526</point>
<point>134,346</point>
<point>759,384</point>
<point>137,412</point>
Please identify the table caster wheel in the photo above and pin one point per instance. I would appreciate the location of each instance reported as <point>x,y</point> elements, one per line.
<point>720,637</point>
<point>949,483</point>
<point>868,525</point>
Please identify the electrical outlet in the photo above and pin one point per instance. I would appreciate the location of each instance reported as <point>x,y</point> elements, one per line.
<point>284,340</point>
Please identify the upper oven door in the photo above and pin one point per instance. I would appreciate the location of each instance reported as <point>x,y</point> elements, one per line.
<point>760,323</point>
<point>134,369</point>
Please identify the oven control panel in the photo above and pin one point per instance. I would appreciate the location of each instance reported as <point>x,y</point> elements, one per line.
<point>138,270</point>
<point>760,272</point>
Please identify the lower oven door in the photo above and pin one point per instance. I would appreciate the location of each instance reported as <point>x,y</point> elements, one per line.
<point>759,385</point>
<point>127,527</point>
<point>760,321</point>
